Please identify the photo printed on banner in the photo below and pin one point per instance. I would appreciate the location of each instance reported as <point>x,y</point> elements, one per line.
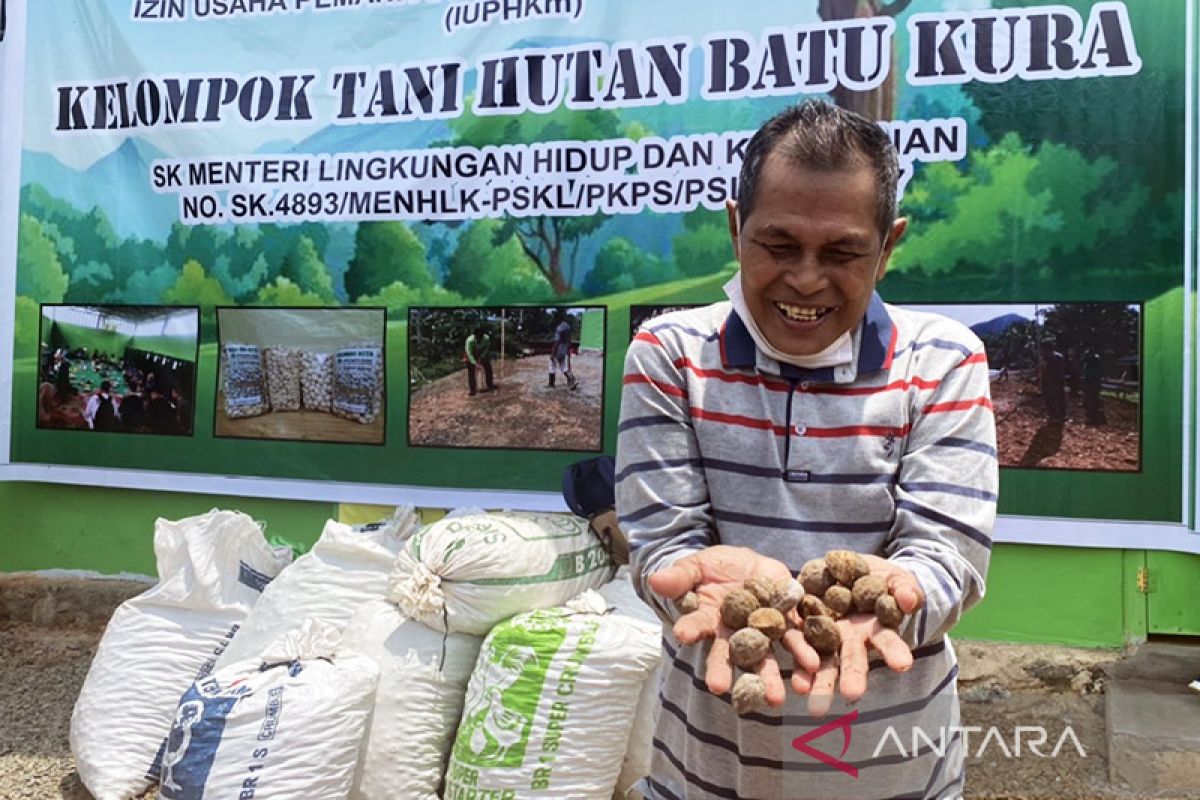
<point>519,377</point>
<point>1065,379</point>
<point>118,369</point>
<point>302,374</point>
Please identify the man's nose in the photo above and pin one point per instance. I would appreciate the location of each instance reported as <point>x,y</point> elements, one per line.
<point>805,275</point>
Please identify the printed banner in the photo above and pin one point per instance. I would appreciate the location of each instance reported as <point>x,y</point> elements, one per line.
<point>406,243</point>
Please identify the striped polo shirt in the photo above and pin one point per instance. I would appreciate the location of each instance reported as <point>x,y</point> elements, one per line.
<point>893,453</point>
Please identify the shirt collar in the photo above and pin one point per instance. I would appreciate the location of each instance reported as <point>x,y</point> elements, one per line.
<point>876,341</point>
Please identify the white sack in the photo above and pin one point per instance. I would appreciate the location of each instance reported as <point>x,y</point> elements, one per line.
<point>468,572</point>
<point>284,726</point>
<point>620,596</point>
<point>348,566</point>
<point>550,704</point>
<point>422,682</point>
<point>211,569</point>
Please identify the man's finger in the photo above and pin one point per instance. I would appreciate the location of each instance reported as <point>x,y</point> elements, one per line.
<point>820,699</point>
<point>700,624</point>
<point>802,682</point>
<point>853,682</point>
<point>768,670</point>
<point>676,580</point>
<point>907,591</point>
<point>894,650</point>
<point>718,673</point>
<point>806,658</point>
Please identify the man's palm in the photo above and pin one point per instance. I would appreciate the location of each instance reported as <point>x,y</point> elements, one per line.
<point>713,573</point>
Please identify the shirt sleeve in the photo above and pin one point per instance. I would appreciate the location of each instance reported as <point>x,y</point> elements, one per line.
<point>946,499</point>
<point>470,348</point>
<point>661,492</point>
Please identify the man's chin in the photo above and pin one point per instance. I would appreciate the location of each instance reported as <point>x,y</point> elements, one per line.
<point>800,344</point>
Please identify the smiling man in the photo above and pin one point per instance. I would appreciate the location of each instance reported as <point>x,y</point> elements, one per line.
<point>801,416</point>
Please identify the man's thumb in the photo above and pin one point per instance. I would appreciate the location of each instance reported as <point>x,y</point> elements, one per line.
<point>676,580</point>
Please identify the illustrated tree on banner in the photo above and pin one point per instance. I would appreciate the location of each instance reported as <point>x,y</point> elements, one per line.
<point>552,243</point>
<point>878,103</point>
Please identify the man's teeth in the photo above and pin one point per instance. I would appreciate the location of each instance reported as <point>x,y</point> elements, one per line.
<point>802,313</point>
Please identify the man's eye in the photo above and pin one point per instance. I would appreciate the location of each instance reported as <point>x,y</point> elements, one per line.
<point>842,256</point>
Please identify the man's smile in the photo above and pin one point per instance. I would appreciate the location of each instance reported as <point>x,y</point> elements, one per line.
<point>803,313</point>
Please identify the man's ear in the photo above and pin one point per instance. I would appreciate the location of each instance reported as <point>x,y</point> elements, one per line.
<point>731,213</point>
<point>894,237</point>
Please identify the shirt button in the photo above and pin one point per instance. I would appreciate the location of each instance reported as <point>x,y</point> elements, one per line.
<point>801,430</point>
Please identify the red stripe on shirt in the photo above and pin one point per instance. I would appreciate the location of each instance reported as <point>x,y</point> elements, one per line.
<point>739,420</point>
<point>858,430</point>
<point>731,377</point>
<point>647,336</point>
<point>975,358</point>
<point>665,388</point>
<point>958,405</point>
<point>783,386</point>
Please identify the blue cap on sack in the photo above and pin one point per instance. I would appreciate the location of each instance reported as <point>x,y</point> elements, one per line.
<point>588,485</point>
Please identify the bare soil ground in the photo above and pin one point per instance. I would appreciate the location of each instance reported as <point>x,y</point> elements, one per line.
<point>523,413</point>
<point>1027,438</point>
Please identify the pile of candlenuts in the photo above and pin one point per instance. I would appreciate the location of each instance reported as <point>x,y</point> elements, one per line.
<point>759,614</point>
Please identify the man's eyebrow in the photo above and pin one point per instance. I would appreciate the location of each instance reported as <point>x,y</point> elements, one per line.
<point>850,240</point>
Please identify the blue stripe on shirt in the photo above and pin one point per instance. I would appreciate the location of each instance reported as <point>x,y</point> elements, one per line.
<point>753,470</point>
<point>672,326</point>
<point>647,422</point>
<point>943,344</point>
<point>950,488</point>
<point>645,511</point>
<point>657,464</point>
<point>966,444</point>
<point>949,522</point>
<point>812,526</point>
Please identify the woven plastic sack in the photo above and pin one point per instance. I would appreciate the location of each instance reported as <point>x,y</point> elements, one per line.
<point>621,598</point>
<point>244,383</point>
<point>465,573</point>
<point>316,381</point>
<point>284,726</point>
<point>347,567</point>
<point>550,704</point>
<point>422,682</point>
<point>211,569</point>
<point>282,368</point>
<point>358,383</point>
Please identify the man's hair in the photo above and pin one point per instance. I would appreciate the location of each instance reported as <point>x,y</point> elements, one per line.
<point>820,136</point>
<point>480,330</point>
<point>105,386</point>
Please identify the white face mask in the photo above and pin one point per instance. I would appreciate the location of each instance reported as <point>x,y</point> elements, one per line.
<point>839,353</point>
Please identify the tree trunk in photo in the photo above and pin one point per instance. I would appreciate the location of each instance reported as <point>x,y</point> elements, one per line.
<point>879,103</point>
<point>544,247</point>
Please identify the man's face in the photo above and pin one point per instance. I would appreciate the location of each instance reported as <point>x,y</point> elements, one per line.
<point>811,253</point>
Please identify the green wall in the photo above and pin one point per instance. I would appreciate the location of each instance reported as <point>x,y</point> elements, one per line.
<point>109,531</point>
<point>1075,596</point>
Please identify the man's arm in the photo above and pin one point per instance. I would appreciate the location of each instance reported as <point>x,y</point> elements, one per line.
<point>661,492</point>
<point>470,348</point>
<point>946,499</point>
